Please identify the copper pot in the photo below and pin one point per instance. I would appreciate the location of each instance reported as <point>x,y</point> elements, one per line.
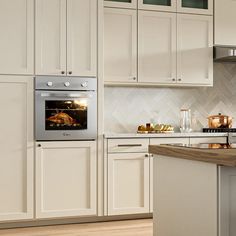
<point>220,121</point>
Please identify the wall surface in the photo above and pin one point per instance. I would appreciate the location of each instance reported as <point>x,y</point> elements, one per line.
<point>126,108</point>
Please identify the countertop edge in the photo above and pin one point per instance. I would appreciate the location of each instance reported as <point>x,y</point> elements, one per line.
<point>171,135</point>
<point>214,156</point>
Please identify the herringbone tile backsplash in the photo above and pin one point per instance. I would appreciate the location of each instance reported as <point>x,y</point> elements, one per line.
<point>126,108</point>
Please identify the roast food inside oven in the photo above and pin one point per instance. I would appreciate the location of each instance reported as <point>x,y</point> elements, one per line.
<point>66,115</point>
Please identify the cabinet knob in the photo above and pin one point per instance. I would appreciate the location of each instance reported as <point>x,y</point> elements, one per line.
<point>67,84</point>
<point>134,78</point>
<point>146,155</point>
<point>179,79</point>
<point>173,79</point>
<point>49,84</point>
<point>39,145</point>
<point>70,72</point>
<point>63,72</point>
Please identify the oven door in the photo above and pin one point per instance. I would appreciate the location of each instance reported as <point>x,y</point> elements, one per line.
<point>66,115</point>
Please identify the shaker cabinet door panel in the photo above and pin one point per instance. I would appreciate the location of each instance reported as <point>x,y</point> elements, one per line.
<point>120,45</point>
<point>17,148</point>
<point>66,179</point>
<point>195,49</point>
<point>82,37</point>
<point>157,47</point>
<point>50,37</point>
<point>128,183</point>
<point>17,37</point>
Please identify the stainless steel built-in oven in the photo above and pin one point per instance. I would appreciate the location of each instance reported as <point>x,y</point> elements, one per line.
<point>65,108</point>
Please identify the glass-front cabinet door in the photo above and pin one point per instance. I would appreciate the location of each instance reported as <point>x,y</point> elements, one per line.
<point>121,3</point>
<point>204,7</point>
<point>159,5</point>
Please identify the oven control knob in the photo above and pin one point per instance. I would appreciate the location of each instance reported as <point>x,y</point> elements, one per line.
<point>84,84</point>
<point>67,84</point>
<point>49,84</point>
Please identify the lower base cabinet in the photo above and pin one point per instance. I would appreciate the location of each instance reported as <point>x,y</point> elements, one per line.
<point>128,183</point>
<point>17,148</point>
<point>66,179</point>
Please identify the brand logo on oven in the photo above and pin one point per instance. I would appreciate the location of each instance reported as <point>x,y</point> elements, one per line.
<point>66,134</point>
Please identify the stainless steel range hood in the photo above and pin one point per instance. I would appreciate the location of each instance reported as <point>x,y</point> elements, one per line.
<point>225,53</point>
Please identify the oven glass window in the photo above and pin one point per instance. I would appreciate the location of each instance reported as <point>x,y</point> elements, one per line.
<point>66,115</point>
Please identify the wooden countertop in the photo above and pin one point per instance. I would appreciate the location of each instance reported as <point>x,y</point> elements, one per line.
<point>225,157</point>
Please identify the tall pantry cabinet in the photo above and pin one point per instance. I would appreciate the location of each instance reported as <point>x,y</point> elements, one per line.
<point>16,120</point>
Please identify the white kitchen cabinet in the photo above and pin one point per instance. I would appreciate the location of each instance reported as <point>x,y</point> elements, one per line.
<point>82,37</point>
<point>204,7</point>
<point>66,179</point>
<point>195,49</point>
<point>17,37</point>
<point>157,47</point>
<point>121,3</point>
<point>128,183</point>
<point>50,37</point>
<point>158,141</point>
<point>120,45</point>
<point>17,148</point>
<point>198,140</point>
<point>225,18</point>
<point>157,5</point>
<point>66,37</point>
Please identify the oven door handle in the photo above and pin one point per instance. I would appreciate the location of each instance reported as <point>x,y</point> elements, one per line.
<point>68,95</point>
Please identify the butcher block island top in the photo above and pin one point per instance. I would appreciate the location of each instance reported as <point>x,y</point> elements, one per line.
<point>221,154</point>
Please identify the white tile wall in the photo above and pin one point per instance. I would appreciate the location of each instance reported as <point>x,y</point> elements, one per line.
<point>126,108</point>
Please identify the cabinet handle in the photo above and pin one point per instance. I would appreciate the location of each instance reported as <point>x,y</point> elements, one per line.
<point>129,145</point>
<point>63,72</point>
<point>70,72</point>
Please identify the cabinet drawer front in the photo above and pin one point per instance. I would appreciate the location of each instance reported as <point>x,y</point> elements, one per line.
<point>127,145</point>
<point>158,141</point>
<point>208,140</point>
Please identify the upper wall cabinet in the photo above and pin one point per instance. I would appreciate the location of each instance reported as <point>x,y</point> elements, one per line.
<point>120,45</point>
<point>17,37</point>
<point>157,47</point>
<point>121,3</point>
<point>225,18</point>
<point>159,5</point>
<point>66,37</point>
<point>204,7</point>
<point>195,49</point>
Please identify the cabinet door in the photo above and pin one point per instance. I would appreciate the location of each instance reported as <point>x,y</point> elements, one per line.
<point>159,5</point>
<point>158,141</point>
<point>17,148</point>
<point>225,18</point>
<point>121,3</point>
<point>195,49</point>
<point>65,179</point>
<point>157,47</point>
<point>17,36</point>
<point>128,183</point>
<point>204,7</point>
<point>50,37</point>
<point>82,37</point>
<point>120,45</point>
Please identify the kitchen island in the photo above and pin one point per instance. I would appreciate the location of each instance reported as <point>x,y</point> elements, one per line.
<point>194,190</point>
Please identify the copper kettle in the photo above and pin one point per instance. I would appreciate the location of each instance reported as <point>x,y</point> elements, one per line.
<point>220,121</point>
